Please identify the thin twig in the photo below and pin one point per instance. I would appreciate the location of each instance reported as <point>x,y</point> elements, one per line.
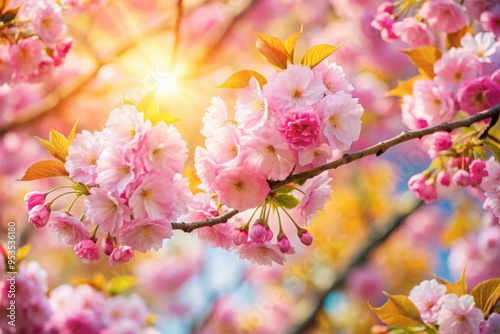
<point>347,158</point>
<point>358,260</point>
<point>177,32</point>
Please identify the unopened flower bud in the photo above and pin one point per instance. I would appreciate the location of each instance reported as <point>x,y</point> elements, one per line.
<point>258,232</point>
<point>87,251</point>
<point>305,237</point>
<point>284,244</point>
<point>107,245</point>
<point>240,237</point>
<point>443,178</point>
<point>121,254</point>
<point>34,198</point>
<point>39,215</point>
<point>462,178</point>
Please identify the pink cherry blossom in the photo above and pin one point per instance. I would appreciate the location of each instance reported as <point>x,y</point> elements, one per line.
<point>300,128</point>
<point>126,126</point>
<point>317,194</point>
<point>341,119</point>
<point>39,215</point>
<point>225,141</point>
<point>492,325</point>
<point>26,55</point>
<point>251,107</point>
<point>215,117</point>
<point>207,168</point>
<point>263,253</point>
<point>121,254</point>
<point>145,234</point>
<point>333,77</point>
<point>456,66</point>
<point>314,157</point>
<point>444,15</point>
<point>458,315</point>
<point>62,48</point>
<point>107,210</point>
<point>44,70</point>
<point>426,298</point>
<point>87,251</point>
<point>491,186</point>
<point>483,46</point>
<point>48,23</point>
<point>107,245</point>
<point>165,150</point>
<point>423,188</point>
<point>432,102</point>
<point>476,95</point>
<point>241,189</point>
<point>412,118</point>
<point>120,308</point>
<point>153,198</point>
<point>267,153</point>
<point>384,21</point>
<point>68,228</point>
<point>440,141</point>
<point>490,20</point>
<point>115,169</point>
<point>5,65</point>
<point>293,88</point>
<point>412,32</point>
<point>81,162</point>
<point>34,198</point>
<point>477,170</point>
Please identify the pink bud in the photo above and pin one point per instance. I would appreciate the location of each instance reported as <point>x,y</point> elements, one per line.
<point>258,232</point>
<point>443,178</point>
<point>423,188</point>
<point>240,237</point>
<point>306,238</point>
<point>269,235</point>
<point>34,198</point>
<point>121,254</point>
<point>441,141</point>
<point>462,178</point>
<point>477,170</point>
<point>107,245</point>
<point>284,244</point>
<point>39,215</point>
<point>87,251</point>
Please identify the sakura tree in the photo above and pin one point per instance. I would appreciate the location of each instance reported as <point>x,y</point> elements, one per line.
<point>350,148</point>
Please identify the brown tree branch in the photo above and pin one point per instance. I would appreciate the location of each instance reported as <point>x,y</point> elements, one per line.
<point>358,260</point>
<point>347,158</point>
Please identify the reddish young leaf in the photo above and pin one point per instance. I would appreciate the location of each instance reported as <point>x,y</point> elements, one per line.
<point>43,169</point>
<point>273,50</point>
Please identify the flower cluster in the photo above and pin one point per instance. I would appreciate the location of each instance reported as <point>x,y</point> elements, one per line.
<point>433,305</point>
<point>292,123</point>
<point>432,17</point>
<point>33,42</point>
<point>130,176</point>
<point>67,308</point>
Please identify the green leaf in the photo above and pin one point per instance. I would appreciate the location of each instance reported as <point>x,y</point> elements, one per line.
<point>398,311</point>
<point>285,189</point>
<point>240,79</point>
<point>286,200</point>
<point>43,169</point>
<point>424,58</point>
<point>273,50</point>
<point>459,287</point>
<point>149,105</point>
<point>318,53</point>
<point>494,149</point>
<point>290,43</point>
<point>119,284</point>
<point>486,294</point>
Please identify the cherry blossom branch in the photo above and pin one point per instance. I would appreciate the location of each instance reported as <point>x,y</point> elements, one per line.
<point>177,32</point>
<point>347,158</point>
<point>383,146</point>
<point>358,260</point>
